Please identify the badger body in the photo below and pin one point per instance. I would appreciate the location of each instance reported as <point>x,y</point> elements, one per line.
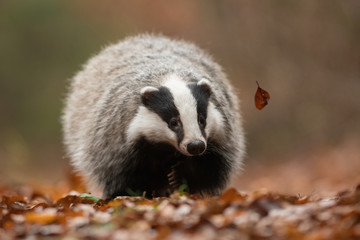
<point>148,114</point>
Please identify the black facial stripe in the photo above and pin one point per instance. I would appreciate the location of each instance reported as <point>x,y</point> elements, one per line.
<point>201,95</point>
<point>179,132</point>
<point>162,103</point>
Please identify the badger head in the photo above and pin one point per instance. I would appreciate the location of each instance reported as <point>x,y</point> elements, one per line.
<point>177,113</point>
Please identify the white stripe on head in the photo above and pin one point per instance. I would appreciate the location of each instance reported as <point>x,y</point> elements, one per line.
<point>215,123</point>
<point>149,124</point>
<point>186,105</point>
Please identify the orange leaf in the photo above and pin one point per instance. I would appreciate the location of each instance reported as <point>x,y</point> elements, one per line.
<point>231,196</point>
<point>45,217</point>
<point>261,97</point>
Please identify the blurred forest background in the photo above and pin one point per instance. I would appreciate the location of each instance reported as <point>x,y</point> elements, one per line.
<point>306,54</point>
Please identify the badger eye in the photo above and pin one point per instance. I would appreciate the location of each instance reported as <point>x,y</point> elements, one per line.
<point>174,123</point>
<point>202,121</point>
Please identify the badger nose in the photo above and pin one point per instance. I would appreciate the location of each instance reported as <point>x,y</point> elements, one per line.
<point>196,147</point>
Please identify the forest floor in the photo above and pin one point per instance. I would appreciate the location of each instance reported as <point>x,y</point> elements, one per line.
<point>309,196</point>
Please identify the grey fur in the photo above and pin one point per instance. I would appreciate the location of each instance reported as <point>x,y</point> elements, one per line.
<point>105,96</point>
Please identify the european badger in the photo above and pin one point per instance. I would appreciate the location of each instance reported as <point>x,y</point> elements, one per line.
<point>148,114</point>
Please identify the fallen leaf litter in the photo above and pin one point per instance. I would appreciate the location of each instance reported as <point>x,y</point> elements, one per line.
<point>253,215</point>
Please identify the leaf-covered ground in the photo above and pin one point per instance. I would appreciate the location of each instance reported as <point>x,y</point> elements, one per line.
<point>25,212</point>
<point>65,210</point>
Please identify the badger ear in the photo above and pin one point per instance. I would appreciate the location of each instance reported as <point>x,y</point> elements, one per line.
<point>205,85</point>
<point>147,94</point>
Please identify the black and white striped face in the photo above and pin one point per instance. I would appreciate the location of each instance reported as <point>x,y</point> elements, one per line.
<point>178,113</point>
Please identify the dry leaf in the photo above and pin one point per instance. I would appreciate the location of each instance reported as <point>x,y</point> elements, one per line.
<point>46,216</point>
<point>261,97</point>
<point>231,196</point>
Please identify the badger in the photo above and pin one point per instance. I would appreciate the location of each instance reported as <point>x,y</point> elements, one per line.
<point>149,114</point>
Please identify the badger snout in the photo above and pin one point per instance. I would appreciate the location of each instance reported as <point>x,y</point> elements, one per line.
<point>196,147</point>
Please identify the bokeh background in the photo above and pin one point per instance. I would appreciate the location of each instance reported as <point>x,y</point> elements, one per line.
<point>306,54</point>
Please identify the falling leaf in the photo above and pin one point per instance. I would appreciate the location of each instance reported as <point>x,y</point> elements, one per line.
<point>261,97</point>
